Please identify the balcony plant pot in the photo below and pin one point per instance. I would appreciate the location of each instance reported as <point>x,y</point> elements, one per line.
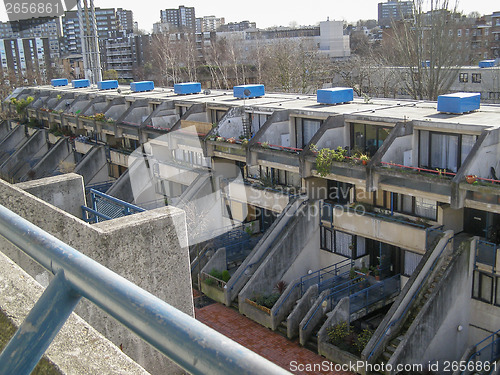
<point>471,178</point>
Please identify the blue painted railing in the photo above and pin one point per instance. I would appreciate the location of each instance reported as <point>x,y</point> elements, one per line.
<point>192,345</point>
<point>410,303</point>
<point>380,291</point>
<point>318,277</point>
<point>489,352</point>
<point>337,293</point>
<point>106,207</point>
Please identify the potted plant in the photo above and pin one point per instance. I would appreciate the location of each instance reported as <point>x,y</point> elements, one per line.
<point>265,144</point>
<point>231,140</point>
<point>364,159</point>
<point>471,178</point>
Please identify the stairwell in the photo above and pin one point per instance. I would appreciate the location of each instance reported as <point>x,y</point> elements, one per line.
<point>412,325</point>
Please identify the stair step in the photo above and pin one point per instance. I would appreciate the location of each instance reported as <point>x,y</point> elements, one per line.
<point>284,323</point>
<point>386,356</point>
<point>282,330</point>
<point>312,345</point>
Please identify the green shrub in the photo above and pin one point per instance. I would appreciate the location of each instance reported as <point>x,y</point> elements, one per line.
<point>338,333</point>
<point>225,276</point>
<point>363,339</point>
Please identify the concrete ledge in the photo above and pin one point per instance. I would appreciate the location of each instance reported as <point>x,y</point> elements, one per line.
<point>78,348</point>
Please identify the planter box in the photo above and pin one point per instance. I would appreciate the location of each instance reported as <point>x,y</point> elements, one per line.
<point>187,88</point>
<point>459,102</point>
<point>254,91</point>
<point>335,95</point>
<point>262,308</point>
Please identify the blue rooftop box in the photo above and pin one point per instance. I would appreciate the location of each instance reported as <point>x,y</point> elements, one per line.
<point>459,102</point>
<point>80,83</point>
<point>187,88</point>
<point>107,85</point>
<point>335,95</point>
<point>487,64</point>
<point>248,91</point>
<point>59,82</point>
<point>142,86</point>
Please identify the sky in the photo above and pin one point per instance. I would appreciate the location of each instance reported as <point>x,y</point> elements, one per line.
<point>267,13</point>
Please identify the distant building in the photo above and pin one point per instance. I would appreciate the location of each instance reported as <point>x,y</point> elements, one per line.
<point>182,19</point>
<point>26,56</point>
<point>44,27</point>
<point>73,66</point>
<point>209,23</point>
<point>126,20</point>
<point>393,10</point>
<point>107,22</point>
<point>237,26</point>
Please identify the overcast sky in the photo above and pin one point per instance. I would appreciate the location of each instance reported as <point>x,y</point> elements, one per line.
<point>268,13</point>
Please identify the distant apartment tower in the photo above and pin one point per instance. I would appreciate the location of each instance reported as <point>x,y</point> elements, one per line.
<point>393,10</point>
<point>209,23</point>
<point>126,20</point>
<point>107,27</point>
<point>495,29</point>
<point>26,56</point>
<point>182,19</point>
<point>237,26</point>
<point>44,27</point>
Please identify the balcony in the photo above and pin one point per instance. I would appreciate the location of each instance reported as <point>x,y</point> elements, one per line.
<point>228,148</point>
<point>390,229</point>
<point>436,181</point>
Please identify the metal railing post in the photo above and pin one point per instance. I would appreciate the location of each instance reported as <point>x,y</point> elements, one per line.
<point>42,324</point>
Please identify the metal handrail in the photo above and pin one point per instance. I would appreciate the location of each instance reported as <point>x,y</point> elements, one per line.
<point>350,284</point>
<point>188,342</point>
<point>408,305</point>
<point>309,276</point>
<point>381,284</point>
<point>477,353</point>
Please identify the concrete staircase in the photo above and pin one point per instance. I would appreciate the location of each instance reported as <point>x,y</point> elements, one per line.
<point>422,298</point>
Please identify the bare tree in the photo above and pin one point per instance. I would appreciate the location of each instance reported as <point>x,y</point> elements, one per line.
<point>426,45</point>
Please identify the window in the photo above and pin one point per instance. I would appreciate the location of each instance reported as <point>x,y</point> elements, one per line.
<point>476,77</point>
<point>305,130</point>
<point>342,243</point>
<point>463,78</point>
<point>368,138</point>
<point>483,286</point>
<point>411,261</point>
<point>459,33</point>
<point>443,150</point>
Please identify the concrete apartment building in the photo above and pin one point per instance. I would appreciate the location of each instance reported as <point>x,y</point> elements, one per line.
<point>181,19</point>
<point>43,27</point>
<point>412,195</point>
<point>394,10</point>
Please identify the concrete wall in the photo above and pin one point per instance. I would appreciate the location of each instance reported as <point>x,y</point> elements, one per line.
<point>148,248</point>
<point>433,334</point>
<point>450,218</point>
<point>332,138</point>
<point>273,134</point>
<point>300,310</point>
<point>261,250</point>
<point>339,315</point>
<point>61,152</point>
<point>94,166</point>
<point>66,192</point>
<point>19,162</point>
<point>232,124</point>
<point>312,316</point>
<point>78,348</point>
<point>394,233</point>
<point>4,129</point>
<point>285,250</point>
<point>488,156</point>
<point>396,150</point>
<point>11,142</point>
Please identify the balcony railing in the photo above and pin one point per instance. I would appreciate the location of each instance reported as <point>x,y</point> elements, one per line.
<point>486,354</point>
<point>192,345</point>
<point>435,172</point>
<point>486,254</point>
